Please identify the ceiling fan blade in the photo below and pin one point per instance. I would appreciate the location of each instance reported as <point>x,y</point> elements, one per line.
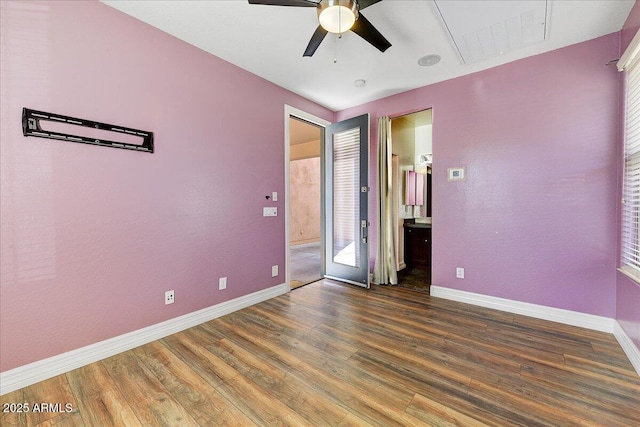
<point>367,31</point>
<point>315,41</point>
<point>366,3</point>
<point>295,3</point>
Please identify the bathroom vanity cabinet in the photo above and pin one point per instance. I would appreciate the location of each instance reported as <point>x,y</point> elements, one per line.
<point>417,245</point>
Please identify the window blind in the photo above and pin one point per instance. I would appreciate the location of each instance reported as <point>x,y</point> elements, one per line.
<point>346,197</point>
<point>630,251</point>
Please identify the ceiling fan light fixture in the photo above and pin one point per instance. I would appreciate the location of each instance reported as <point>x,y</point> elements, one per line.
<point>337,16</point>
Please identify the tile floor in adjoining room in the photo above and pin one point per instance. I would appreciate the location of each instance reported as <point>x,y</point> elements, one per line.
<point>415,278</point>
<point>305,269</point>
<point>305,264</point>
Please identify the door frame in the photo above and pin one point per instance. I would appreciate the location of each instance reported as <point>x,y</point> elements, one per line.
<point>290,112</point>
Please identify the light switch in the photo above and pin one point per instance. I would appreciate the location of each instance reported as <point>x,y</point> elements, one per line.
<point>269,211</point>
<point>274,196</point>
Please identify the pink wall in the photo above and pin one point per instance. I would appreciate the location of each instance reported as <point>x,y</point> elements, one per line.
<point>92,236</point>
<point>535,221</point>
<point>627,290</point>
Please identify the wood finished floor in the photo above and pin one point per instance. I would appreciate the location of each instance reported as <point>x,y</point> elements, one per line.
<point>329,354</point>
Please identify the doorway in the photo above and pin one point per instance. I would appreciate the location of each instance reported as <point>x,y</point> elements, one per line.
<point>305,204</point>
<point>412,155</point>
<point>342,203</point>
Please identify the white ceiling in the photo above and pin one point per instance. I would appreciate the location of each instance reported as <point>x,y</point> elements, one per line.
<point>269,41</point>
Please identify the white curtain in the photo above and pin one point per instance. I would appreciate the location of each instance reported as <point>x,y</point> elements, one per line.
<point>384,271</point>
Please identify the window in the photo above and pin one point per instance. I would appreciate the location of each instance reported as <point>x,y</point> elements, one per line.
<point>630,251</point>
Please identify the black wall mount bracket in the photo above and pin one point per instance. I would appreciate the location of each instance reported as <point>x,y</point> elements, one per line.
<point>31,126</point>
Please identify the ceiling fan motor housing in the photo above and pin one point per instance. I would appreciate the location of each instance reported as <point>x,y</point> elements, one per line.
<point>337,16</point>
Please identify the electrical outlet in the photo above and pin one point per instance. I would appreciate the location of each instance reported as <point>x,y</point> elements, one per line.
<point>222,283</point>
<point>274,271</point>
<point>169,297</point>
<point>274,196</point>
<point>460,272</point>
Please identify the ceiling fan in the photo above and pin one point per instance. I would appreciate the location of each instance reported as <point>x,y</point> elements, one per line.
<point>336,16</point>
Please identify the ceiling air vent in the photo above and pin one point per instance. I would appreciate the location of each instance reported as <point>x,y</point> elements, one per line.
<point>484,29</point>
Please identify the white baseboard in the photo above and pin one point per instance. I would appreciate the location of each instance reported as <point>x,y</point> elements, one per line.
<point>41,370</point>
<point>568,317</point>
<point>632,352</point>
